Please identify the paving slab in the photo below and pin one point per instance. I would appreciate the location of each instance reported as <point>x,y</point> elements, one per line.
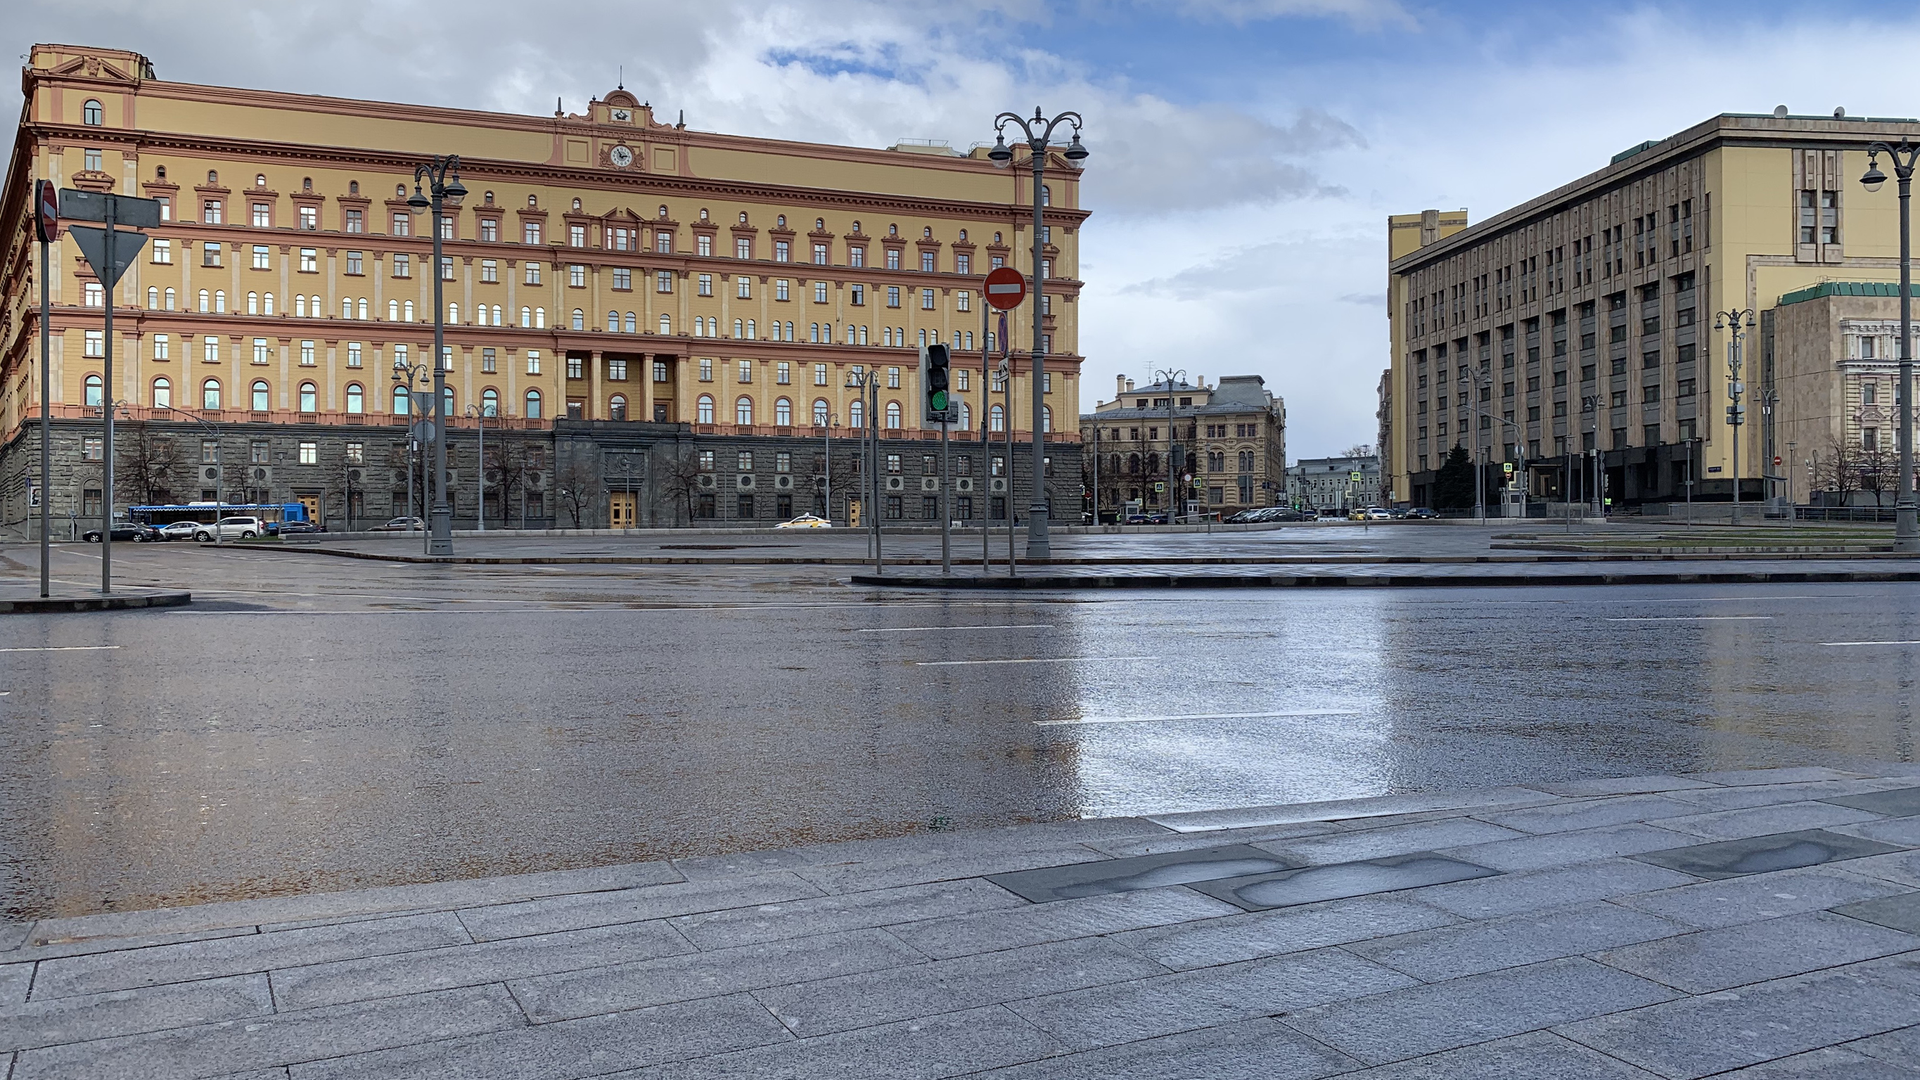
<point>1699,1036</point>
<point>1343,809</point>
<point>1829,1064</point>
<point>1080,880</point>
<point>236,955</point>
<point>863,875</point>
<point>280,1039</point>
<point>1588,813</point>
<point>1738,798</point>
<point>1405,839</point>
<point>1427,1019</point>
<point>1898,866</point>
<point>580,911</point>
<point>127,1012</point>
<point>1036,924</point>
<point>13,935</point>
<point>1462,949</point>
<point>590,1046</point>
<point>1710,960</point>
<point>845,911</point>
<point>1619,785</point>
<point>708,974</point>
<point>1260,1049</point>
<point>14,980</point>
<point>1896,802</point>
<point>1538,1055</point>
<point>821,1006</point>
<point>1735,901</point>
<point>1766,854</point>
<point>360,979</point>
<point>1207,997</point>
<point>1900,911</point>
<point>1901,1046</point>
<point>1173,841</point>
<point>1901,832</point>
<point>1557,887</point>
<point>1763,820</point>
<point>1563,848</point>
<point>911,1050</point>
<point>1336,881</point>
<point>1785,775</point>
<point>37,949</point>
<point>1252,935</point>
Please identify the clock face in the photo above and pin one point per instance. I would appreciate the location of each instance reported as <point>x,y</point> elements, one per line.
<point>621,156</point>
<point>623,115</point>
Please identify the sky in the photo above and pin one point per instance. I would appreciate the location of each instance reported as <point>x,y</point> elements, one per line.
<point>1245,153</point>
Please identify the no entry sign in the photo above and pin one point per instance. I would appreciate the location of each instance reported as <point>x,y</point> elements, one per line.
<point>1006,287</point>
<point>47,211</point>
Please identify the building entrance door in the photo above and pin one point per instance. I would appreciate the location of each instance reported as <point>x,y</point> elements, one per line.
<point>312,502</point>
<point>620,509</point>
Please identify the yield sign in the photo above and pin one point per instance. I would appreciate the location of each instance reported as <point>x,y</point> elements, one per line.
<point>1006,287</point>
<point>93,245</point>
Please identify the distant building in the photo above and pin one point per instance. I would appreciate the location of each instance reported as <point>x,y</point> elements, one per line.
<point>1224,446</point>
<point>1334,483</point>
<point>1383,448</point>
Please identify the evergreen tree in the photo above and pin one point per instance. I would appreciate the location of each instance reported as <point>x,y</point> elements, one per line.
<point>1453,484</point>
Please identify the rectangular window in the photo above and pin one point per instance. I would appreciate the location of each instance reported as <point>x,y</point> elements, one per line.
<point>926,299</point>
<point>210,211</point>
<point>856,256</point>
<point>706,369</point>
<point>309,261</point>
<point>746,371</point>
<point>617,370</point>
<point>160,345</point>
<point>857,295</point>
<point>356,453</point>
<point>820,254</point>
<point>488,361</point>
<point>446,268</point>
<point>355,264</point>
<point>663,281</point>
<point>705,285</point>
<point>530,232</point>
<point>262,215</point>
<point>622,279</point>
<point>893,258</point>
<point>893,463</point>
<point>742,248</point>
<point>309,453</point>
<point>356,221</point>
<point>402,266</point>
<point>259,452</point>
<point>353,354</point>
<point>663,242</point>
<point>210,349</point>
<point>306,354</point>
<point>963,264</point>
<point>490,230</point>
<point>94,447</point>
<point>783,373</point>
<point>576,275</point>
<point>576,367</point>
<point>744,288</point>
<point>310,218</point>
<point>262,257</point>
<point>163,252</point>
<point>260,350</point>
<point>96,343</point>
<point>402,223</point>
<point>166,208</point>
<point>893,296</point>
<point>533,361</point>
<point>210,254</point>
<point>965,300</point>
<point>577,236</point>
<point>489,271</point>
<point>819,292</point>
<point>659,371</point>
<point>926,262</point>
<point>780,289</point>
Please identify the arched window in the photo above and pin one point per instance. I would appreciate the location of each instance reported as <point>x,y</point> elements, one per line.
<point>490,402</point>
<point>533,404</point>
<point>253,303</point>
<point>526,316</point>
<point>406,311</point>
<point>446,401</point>
<point>91,114</point>
<point>579,319</point>
<point>219,301</point>
<point>820,412</point>
<point>499,315</point>
<point>309,398</point>
<point>666,324</point>
<point>299,306</point>
<point>213,178</point>
<point>743,411</point>
<point>266,304</point>
<point>813,332</point>
<point>399,401</point>
<point>1046,418</point>
<point>1153,464</point>
<point>356,399</point>
<point>393,311</point>
<point>703,409</point>
<point>540,318</point>
<point>170,299</point>
<point>362,306</point>
<point>1246,461</point>
<point>751,335</point>
<point>617,408</point>
<point>96,391</point>
<point>632,323</point>
<point>790,336</point>
<point>153,297</point>
<point>739,329</point>
<point>997,418</point>
<point>262,398</point>
<point>613,322</point>
<point>783,412</point>
<point>92,295</point>
<point>966,417</point>
<point>346,307</point>
<point>210,395</point>
<point>453,313</point>
<point>1046,195</point>
<point>893,414</point>
<point>1133,463</point>
<point>162,393</point>
<point>204,305</point>
<point>856,414</point>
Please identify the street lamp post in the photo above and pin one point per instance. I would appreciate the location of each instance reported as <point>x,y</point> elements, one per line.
<point>1737,321</point>
<point>408,376</point>
<point>442,175</point>
<point>479,414</point>
<point>1168,375</point>
<point>1906,528</point>
<point>866,380</point>
<point>1038,131</point>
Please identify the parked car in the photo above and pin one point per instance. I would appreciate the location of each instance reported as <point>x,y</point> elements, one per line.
<point>231,528</point>
<point>289,527</point>
<point>122,532</point>
<point>1422,513</point>
<point>1147,519</point>
<point>1379,513</point>
<point>402,524</point>
<point>806,521</point>
<point>177,530</point>
<point>1246,516</point>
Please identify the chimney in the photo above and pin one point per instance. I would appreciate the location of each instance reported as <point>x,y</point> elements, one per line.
<point>1120,384</point>
<point>1129,384</point>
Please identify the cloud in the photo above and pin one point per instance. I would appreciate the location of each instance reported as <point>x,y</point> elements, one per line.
<point>1367,14</point>
<point>1155,157</point>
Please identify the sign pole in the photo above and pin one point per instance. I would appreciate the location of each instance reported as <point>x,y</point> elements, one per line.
<point>47,221</point>
<point>946,514</point>
<point>986,444</point>
<point>106,411</point>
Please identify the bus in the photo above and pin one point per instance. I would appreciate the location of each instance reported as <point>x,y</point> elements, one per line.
<point>206,513</point>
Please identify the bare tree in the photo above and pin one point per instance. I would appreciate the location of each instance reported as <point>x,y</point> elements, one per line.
<point>574,485</point>
<point>680,482</point>
<point>1839,470</point>
<point>147,466</point>
<point>507,464</point>
<point>1878,471</point>
<point>1360,450</point>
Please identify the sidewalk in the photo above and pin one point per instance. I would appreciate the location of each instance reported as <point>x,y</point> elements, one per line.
<point>1668,926</point>
<point>22,597</point>
<point>1411,573</point>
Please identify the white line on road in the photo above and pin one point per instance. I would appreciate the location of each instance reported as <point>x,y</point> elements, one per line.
<point>1836,643</point>
<point>62,648</point>
<point>919,629</point>
<point>1692,618</point>
<point>1194,716</point>
<point>1033,660</point>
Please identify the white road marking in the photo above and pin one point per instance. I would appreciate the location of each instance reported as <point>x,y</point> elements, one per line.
<point>920,629</point>
<point>1031,660</point>
<point>1194,716</point>
<point>1692,618</point>
<point>62,648</point>
<point>1839,643</point>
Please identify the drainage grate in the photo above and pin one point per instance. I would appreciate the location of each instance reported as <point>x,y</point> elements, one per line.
<point>1139,872</point>
<point>1901,802</point>
<point>1337,881</point>
<point>1763,854</point>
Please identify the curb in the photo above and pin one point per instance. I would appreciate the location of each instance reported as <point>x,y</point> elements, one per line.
<point>42,605</point>
<point>1329,581</point>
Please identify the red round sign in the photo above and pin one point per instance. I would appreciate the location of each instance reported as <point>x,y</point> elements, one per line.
<point>47,217</point>
<point>1006,287</point>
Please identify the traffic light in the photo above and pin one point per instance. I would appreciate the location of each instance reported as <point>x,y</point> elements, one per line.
<point>1736,415</point>
<point>934,363</point>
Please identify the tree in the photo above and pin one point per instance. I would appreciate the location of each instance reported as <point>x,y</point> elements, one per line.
<point>575,484</point>
<point>147,467</point>
<point>1839,470</point>
<point>680,482</point>
<point>1361,450</point>
<point>1878,471</point>
<point>507,462</point>
<point>1453,484</point>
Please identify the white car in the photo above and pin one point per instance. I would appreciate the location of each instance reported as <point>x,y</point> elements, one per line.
<point>180,530</point>
<point>231,528</point>
<point>806,521</point>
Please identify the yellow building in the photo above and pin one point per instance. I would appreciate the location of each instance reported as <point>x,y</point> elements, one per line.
<point>606,268</point>
<point>1579,328</point>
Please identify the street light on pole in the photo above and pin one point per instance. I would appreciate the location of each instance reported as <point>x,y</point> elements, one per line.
<point>1168,375</point>
<point>480,414</point>
<point>407,376</point>
<point>1906,528</point>
<point>1038,131</point>
<point>1737,322</point>
<point>442,176</point>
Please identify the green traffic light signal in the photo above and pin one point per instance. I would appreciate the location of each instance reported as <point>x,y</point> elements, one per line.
<point>939,401</point>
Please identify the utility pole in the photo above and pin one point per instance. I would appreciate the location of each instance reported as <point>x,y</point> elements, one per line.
<point>1736,321</point>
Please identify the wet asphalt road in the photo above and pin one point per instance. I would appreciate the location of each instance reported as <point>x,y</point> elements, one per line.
<point>314,723</point>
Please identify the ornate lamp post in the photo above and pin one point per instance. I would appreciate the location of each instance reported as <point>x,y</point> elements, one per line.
<point>1037,132</point>
<point>1906,528</point>
<point>1168,375</point>
<point>1737,322</point>
<point>409,376</point>
<point>480,415</point>
<point>442,176</point>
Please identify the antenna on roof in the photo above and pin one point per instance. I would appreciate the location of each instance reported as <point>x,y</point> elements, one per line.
<point>557,109</point>
<point>623,77</point>
<point>682,125</point>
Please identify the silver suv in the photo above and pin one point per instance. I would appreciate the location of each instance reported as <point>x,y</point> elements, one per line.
<point>231,528</point>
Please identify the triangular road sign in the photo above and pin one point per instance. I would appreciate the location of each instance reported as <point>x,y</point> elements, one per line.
<point>93,245</point>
